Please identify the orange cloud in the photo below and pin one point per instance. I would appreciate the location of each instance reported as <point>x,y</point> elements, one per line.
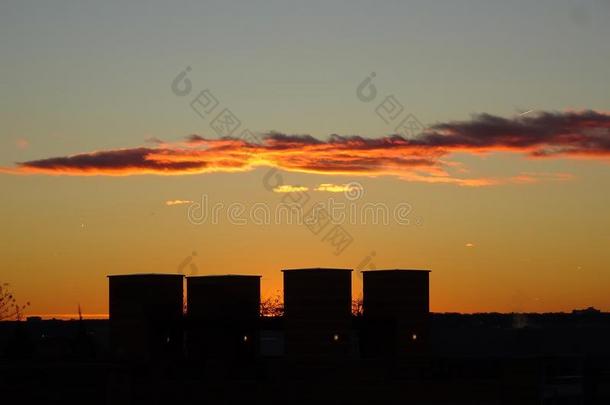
<point>170,203</point>
<point>333,188</point>
<point>533,178</point>
<point>286,188</point>
<point>423,159</point>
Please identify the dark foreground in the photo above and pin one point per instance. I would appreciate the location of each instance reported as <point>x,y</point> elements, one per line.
<point>470,359</point>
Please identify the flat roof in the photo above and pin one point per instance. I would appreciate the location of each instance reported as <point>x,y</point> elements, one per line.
<point>146,275</point>
<point>226,276</point>
<point>396,270</point>
<point>315,269</point>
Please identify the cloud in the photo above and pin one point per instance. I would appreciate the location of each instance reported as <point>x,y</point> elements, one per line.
<point>533,178</point>
<point>426,158</point>
<point>154,140</point>
<point>286,188</point>
<point>333,188</point>
<point>170,203</point>
<point>163,161</point>
<point>544,134</point>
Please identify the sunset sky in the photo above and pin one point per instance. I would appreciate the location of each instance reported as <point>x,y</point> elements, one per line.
<point>482,128</point>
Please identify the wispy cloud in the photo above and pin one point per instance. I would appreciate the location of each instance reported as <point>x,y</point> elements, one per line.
<point>286,188</point>
<point>332,188</point>
<point>154,140</point>
<point>533,178</point>
<point>427,158</point>
<point>177,202</point>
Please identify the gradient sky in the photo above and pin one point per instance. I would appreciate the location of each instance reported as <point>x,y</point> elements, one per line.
<point>83,76</point>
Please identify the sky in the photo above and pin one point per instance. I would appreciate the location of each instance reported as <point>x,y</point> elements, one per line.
<point>480,129</point>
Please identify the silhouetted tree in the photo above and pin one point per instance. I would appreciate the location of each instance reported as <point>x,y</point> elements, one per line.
<point>272,306</point>
<point>357,306</point>
<point>9,307</point>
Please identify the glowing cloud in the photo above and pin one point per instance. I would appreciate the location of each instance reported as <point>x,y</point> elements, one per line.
<point>286,188</point>
<point>332,188</point>
<point>170,203</point>
<point>533,178</point>
<point>426,158</point>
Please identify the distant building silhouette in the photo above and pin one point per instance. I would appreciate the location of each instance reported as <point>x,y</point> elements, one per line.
<point>317,312</point>
<point>146,315</point>
<point>222,316</point>
<point>406,354</point>
<point>586,311</point>
<point>395,311</point>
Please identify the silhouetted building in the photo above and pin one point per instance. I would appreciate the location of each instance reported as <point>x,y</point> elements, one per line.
<point>395,311</point>
<point>550,359</point>
<point>223,314</point>
<point>146,316</point>
<point>317,312</point>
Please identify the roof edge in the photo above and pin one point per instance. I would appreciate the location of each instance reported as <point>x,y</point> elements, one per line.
<point>312,269</point>
<point>146,275</point>
<point>397,270</point>
<point>225,275</point>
